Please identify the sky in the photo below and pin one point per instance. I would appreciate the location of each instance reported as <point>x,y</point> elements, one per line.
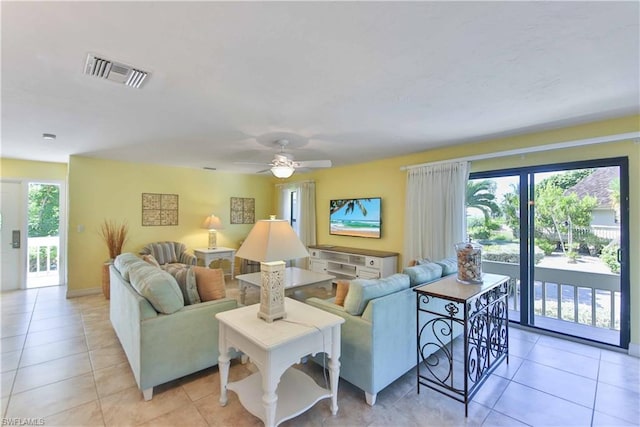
<point>373,211</point>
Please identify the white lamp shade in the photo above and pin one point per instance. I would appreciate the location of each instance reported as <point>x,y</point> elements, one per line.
<point>282,171</point>
<point>212,222</point>
<point>272,240</point>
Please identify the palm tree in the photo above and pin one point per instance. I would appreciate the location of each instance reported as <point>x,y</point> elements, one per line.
<point>481,196</point>
<point>351,204</point>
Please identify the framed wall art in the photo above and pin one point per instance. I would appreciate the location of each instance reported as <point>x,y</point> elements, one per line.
<point>159,209</point>
<point>243,210</point>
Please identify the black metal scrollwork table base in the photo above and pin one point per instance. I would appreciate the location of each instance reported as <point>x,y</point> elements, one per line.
<point>448,308</point>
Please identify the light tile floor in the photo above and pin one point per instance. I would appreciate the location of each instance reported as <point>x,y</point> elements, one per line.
<point>63,365</point>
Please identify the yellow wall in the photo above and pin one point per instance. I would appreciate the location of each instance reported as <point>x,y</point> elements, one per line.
<point>13,168</point>
<point>102,189</point>
<point>384,178</point>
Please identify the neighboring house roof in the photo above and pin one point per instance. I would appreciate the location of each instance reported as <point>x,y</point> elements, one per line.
<point>597,185</point>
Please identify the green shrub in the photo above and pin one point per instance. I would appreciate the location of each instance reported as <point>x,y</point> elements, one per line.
<point>609,256</point>
<point>546,246</point>
<point>479,233</point>
<point>508,253</point>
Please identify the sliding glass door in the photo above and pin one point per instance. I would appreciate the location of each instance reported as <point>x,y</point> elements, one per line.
<point>561,233</point>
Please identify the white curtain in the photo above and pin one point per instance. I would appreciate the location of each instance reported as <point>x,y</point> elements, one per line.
<point>435,211</point>
<point>304,213</point>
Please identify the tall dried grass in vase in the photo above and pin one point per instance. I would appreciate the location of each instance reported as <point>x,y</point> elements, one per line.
<point>114,236</point>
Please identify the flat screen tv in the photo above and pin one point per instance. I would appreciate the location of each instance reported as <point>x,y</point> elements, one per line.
<point>355,217</point>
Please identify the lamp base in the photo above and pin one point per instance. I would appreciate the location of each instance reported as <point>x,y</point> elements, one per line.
<point>272,291</point>
<point>212,239</point>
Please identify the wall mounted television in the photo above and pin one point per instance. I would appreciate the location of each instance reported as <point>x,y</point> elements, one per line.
<point>356,217</point>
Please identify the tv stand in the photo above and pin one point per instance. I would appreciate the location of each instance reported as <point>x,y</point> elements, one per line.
<point>352,263</point>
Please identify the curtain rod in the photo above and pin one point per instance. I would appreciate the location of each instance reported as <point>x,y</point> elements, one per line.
<point>517,151</point>
<point>308,181</point>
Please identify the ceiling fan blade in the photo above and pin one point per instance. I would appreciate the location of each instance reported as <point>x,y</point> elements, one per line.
<point>314,164</point>
<point>252,163</point>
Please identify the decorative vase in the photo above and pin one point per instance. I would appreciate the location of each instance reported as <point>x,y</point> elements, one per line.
<point>106,284</point>
<point>469,256</point>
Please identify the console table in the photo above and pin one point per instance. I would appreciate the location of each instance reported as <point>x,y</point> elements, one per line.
<point>278,392</point>
<point>482,312</point>
<point>209,255</point>
<point>352,263</point>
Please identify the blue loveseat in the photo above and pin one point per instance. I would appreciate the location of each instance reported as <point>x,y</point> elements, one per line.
<point>378,337</point>
<point>162,338</point>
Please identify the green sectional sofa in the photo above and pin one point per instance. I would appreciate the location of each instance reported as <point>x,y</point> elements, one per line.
<point>378,337</point>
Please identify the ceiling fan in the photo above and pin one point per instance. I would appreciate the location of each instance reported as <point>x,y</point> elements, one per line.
<point>283,165</point>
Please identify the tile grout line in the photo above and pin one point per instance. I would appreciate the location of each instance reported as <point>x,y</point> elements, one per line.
<point>93,370</point>
<point>595,394</point>
<point>26,335</point>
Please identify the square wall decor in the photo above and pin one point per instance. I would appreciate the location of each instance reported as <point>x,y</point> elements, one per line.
<point>159,209</point>
<point>243,210</point>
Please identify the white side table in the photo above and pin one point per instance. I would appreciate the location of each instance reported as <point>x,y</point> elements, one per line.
<point>273,348</point>
<point>209,255</point>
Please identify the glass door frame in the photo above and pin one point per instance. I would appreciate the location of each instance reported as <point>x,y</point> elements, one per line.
<point>527,211</point>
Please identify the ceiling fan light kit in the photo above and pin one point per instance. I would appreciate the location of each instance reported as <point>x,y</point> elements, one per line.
<point>282,171</point>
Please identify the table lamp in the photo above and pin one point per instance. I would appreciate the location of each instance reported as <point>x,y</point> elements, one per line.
<point>212,223</point>
<point>271,242</point>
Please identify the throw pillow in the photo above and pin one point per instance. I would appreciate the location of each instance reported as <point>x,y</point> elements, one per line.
<point>158,287</point>
<point>210,283</point>
<point>423,273</point>
<point>418,261</point>
<point>123,263</point>
<point>362,291</point>
<point>186,279</point>
<point>164,252</point>
<point>151,260</point>
<point>341,291</point>
<point>449,265</point>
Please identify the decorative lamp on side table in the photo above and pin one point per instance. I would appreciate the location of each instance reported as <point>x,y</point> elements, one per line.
<point>271,242</point>
<point>212,223</point>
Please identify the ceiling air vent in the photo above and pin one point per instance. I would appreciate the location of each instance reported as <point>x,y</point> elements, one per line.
<point>114,71</point>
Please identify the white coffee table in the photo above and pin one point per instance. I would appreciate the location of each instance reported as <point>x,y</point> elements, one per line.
<point>278,392</point>
<point>295,278</point>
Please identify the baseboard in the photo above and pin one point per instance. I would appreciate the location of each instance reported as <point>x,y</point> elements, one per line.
<point>634,349</point>
<point>83,292</point>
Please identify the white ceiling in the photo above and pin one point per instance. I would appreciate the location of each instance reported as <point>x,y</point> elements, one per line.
<point>350,82</point>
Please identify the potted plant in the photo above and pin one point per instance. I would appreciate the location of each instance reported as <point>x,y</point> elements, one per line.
<point>114,236</point>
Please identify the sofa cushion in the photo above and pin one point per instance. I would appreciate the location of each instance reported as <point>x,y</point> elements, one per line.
<point>361,291</point>
<point>210,283</point>
<point>157,286</point>
<point>419,261</point>
<point>151,260</point>
<point>164,252</point>
<point>342,288</point>
<point>449,265</point>
<point>423,273</point>
<point>186,279</point>
<point>123,263</point>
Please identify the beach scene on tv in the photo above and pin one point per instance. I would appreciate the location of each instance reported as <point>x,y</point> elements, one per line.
<point>355,217</point>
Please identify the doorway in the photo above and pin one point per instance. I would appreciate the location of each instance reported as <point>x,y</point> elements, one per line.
<point>43,234</point>
<point>33,225</point>
<point>561,233</point>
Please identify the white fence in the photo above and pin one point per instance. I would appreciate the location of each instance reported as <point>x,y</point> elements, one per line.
<point>586,298</point>
<point>44,255</point>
